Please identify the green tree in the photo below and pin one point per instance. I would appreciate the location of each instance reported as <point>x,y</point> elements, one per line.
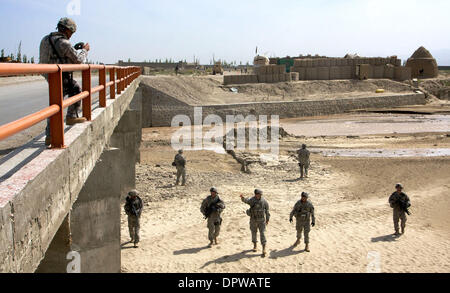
<point>3,53</point>
<point>25,59</point>
<point>32,60</point>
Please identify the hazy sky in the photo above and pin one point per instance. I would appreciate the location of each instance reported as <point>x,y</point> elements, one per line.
<point>231,29</point>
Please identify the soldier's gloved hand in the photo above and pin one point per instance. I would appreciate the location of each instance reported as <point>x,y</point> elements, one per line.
<point>313,224</point>
<point>290,220</point>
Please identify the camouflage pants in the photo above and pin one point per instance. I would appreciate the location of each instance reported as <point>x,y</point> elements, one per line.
<point>70,89</point>
<point>254,227</point>
<point>134,227</point>
<point>304,227</point>
<point>399,215</point>
<point>181,172</point>
<point>304,169</point>
<point>214,225</point>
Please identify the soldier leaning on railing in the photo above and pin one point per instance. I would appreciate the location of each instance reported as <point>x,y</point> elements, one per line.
<point>55,48</point>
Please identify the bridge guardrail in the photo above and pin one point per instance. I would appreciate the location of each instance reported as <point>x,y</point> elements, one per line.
<point>57,104</point>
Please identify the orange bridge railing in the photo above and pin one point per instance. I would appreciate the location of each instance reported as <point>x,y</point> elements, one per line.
<point>57,104</point>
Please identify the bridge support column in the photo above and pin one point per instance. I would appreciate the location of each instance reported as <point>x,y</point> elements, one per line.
<point>127,137</point>
<point>92,228</point>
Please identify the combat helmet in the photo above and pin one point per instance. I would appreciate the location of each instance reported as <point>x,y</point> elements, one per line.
<point>67,23</point>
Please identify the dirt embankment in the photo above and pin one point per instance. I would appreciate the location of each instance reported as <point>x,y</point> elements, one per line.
<point>438,87</point>
<point>209,90</point>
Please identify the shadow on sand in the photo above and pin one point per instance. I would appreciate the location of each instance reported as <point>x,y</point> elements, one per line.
<point>293,180</point>
<point>232,258</point>
<point>124,245</point>
<point>386,238</point>
<point>190,250</point>
<point>274,254</point>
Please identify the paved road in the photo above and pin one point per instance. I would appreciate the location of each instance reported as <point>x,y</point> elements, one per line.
<point>20,100</point>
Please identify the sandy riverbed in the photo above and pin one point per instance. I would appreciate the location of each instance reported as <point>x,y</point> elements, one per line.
<point>350,195</point>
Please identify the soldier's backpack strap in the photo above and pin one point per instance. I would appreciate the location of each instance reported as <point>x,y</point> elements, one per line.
<point>68,75</point>
<point>50,40</point>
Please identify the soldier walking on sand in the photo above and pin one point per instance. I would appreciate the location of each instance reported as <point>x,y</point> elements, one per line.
<point>303,161</point>
<point>55,48</point>
<point>180,164</point>
<point>212,208</point>
<point>259,218</point>
<point>400,203</point>
<point>304,213</point>
<point>133,209</point>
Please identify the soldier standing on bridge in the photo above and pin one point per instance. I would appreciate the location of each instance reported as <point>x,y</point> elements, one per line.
<point>133,209</point>
<point>303,212</point>
<point>180,164</point>
<point>259,218</point>
<point>211,208</point>
<point>56,49</point>
<point>303,161</point>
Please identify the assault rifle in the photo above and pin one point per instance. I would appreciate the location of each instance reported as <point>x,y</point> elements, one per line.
<point>404,206</point>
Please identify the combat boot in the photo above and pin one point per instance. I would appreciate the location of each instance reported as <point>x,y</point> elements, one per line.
<point>307,248</point>
<point>255,247</point>
<point>72,120</point>
<point>264,251</point>
<point>210,244</point>
<point>215,241</point>
<point>397,233</point>
<point>136,245</point>
<point>403,231</point>
<point>48,140</point>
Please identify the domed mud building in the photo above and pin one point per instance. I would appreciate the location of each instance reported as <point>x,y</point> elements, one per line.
<point>422,64</point>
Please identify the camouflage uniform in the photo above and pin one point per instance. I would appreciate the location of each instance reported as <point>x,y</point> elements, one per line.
<point>67,55</point>
<point>259,215</point>
<point>303,160</point>
<point>214,219</point>
<point>180,163</point>
<point>133,208</point>
<point>399,213</point>
<point>303,212</point>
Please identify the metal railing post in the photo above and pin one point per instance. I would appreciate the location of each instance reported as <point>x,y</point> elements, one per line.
<point>87,87</point>
<point>112,77</point>
<point>102,81</point>
<point>56,97</point>
<point>119,83</point>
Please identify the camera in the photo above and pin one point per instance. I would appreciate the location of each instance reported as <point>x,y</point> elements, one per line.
<point>79,46</point>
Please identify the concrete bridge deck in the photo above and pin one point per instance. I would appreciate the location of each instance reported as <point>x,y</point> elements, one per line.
<point>74,193</point>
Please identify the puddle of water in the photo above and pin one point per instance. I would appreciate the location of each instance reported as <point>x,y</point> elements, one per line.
<point>368,124</point>
<point>383,153</point>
